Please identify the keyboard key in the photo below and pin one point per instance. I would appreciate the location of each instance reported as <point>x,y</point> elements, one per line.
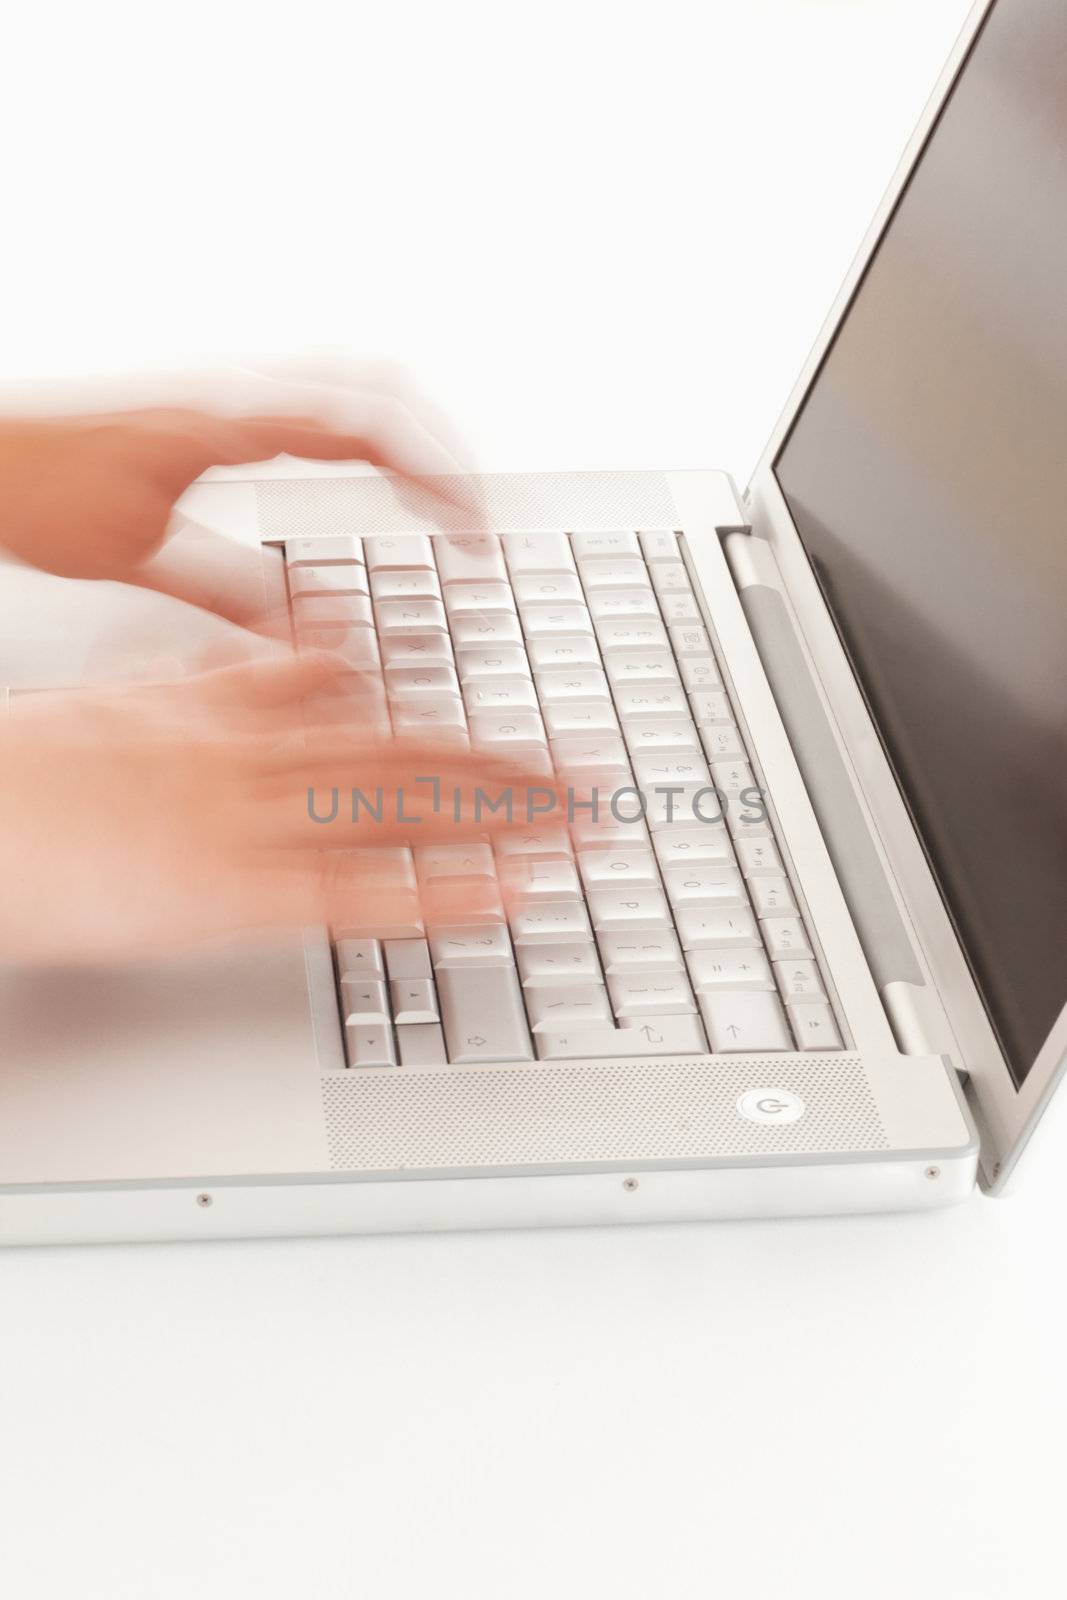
<point>502,730</point>
<point>668,805</point>
<point>690,641</point>
<point>537,552</point>
<point>329,547</point>
<point>648,736</point>
<point>661,1036</point>
<point>507,661</point>
<point>608,832</point>
<point>549,965</point>
<point>729,969</point>
<point>435,679</point>
<point>576,650</point>
<point>679,1035</point>
<point>704,928</point>
<point>662,768</point>
<point>679,608</point>
<point>646,950</point>
<point>705,884</point>
<point>659,546</point>
<point>415,650</point>
<point>359,958</point>
<point>670,577</point>
<point>405,921</point>
<point>641,905</point>
<point>570,1004</point>
<point>536,840</point>
<point>559,686</point>
<point>786,938</point>
<point>550,922</point>
<point>540,878</point>
<point>721,741</point>
<point>551,622</point>
<point>814,1027</point>
<point>414,1000</point>
<point>599,754</point>
<point>427,715</point>
<point>758,856</point>
<point>643,667</point>
<point>799,980</point>
<point>580,717</point>
<point>408,958</point>
<point>364,1000</point>
<point>772,897</point>
<point>410,616</point>
<point>399,550</point>
<point>486,945</point>
<point>343,578</point>
<point>462,598</point>
<point>497,628</point>
<point>624,574</point>
<point>483,1015</point>
<point>603,605</point>
<point>630,634</point>
<point>433,862</point>
<point>369,1045</point>
<point>469,558</point>
<point>711,705</point>
<point>420,584</point>
<point>734,779</point>
<point>744,1020</point>
<point>345,611</point>
<point>547,589</point>
<point>422,1045</point>
<point>699,672</point>
<point>394,866</point>
<point>500,694</point>
<point>647,994</point>
<point>591,1041</point>
<point>588,546</point>
<point>609,869</point>
<point>696,842</point>
<point>650,700</point>
<point>357,648</point>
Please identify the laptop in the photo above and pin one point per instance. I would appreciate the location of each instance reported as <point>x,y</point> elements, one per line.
<point>810,955</point>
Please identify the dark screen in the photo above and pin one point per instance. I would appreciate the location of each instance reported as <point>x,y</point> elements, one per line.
<point>927,475</point>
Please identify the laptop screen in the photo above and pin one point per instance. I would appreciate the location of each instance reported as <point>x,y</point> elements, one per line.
<point>926,472</point>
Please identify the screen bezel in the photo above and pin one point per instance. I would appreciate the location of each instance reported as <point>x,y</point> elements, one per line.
<point>1006,1113</point>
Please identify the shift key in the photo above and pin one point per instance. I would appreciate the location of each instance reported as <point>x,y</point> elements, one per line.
<point>483,1015</point>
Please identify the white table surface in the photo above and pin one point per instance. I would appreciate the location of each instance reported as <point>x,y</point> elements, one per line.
<point>607,235</point>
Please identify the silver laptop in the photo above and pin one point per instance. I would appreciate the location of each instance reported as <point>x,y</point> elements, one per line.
<point>811,953</point>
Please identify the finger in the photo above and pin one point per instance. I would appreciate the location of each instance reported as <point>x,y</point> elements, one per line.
<point>321,423</point>
<point>352,890</point>
<point>361,808</point>
<point>216,574</point>
<point>269,685</point>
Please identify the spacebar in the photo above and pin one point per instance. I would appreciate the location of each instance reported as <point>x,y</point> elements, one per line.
<point>483,1015</point>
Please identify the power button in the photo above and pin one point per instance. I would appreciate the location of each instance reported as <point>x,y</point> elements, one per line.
<point>774,1106</point>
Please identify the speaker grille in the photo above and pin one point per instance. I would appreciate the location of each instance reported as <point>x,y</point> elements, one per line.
<point>590,1113</point>
<point>301,507</point>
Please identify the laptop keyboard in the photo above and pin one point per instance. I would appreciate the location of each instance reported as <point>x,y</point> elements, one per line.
<point>667,924</point>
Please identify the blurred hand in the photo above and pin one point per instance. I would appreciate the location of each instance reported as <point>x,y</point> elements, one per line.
<point>143,819</point>
<point>90,495</point>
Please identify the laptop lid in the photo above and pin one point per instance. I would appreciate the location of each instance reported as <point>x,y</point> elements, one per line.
<point>919,476</point>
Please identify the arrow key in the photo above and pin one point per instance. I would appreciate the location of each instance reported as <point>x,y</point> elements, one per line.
<point>749,1019</point>
<point>814,1026</point>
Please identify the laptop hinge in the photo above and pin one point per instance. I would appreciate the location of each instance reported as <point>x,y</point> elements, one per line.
<point>913,1008</point>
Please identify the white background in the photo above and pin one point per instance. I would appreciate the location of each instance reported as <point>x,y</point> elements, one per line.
<point>605,234</point>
